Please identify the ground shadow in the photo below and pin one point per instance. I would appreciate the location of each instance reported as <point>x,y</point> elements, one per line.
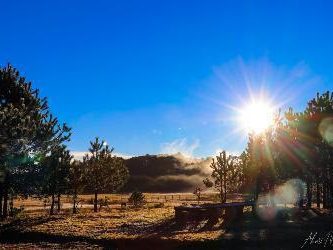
<point>287,230</point>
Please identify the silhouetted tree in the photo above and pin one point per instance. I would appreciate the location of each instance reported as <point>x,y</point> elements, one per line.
<point>223,173</point>
<point>197,192</point>
<point>27,128</point>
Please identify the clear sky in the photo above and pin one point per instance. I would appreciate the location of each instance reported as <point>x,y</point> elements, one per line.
<point>165,76</point>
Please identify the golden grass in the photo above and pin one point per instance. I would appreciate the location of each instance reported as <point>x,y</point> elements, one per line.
<point>169,198</point>
<point>128,223</point>
<point>114,223</point>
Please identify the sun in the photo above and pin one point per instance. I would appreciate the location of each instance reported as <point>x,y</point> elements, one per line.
<point>256,116</point>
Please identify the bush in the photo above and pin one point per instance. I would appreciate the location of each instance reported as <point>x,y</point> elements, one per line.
<point>15,212</point>
<point>137,198</point>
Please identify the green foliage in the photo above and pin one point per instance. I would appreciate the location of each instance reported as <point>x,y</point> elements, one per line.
<point>76,181</point>
<point>103,171</point>
<point>297,146</point>
<point>137,198</point>
<point>54,174</point>
<point>28,130</point>
<point>310,134</point>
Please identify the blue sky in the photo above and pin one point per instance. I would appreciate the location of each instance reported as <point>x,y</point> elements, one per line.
<point>161,76</point>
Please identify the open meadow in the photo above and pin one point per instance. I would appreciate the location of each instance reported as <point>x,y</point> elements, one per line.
<point>157,125</point>
<point>153,226</point>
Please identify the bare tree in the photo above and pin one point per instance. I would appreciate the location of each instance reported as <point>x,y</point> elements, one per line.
<point>224,174</point>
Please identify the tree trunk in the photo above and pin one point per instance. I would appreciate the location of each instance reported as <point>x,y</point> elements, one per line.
<point>257,188</point>
<point>328,196</point>
<point>74,202</point>
<point>11,206</point>
<point>1,197</point>
<point>225,188</point>
<point>5,202</point>
<point>318,194</point>
<point>301,197</point>
<point>324,195</point>
<point>221,195</point>
<point>52,205</point>
<point>309,194</point>
<point>95,202</point>
<point>59,203</point>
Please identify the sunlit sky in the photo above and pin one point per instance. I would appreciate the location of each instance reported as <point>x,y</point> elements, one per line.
<point>167,76</point>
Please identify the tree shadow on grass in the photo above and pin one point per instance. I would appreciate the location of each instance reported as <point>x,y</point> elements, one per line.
<point>17,224</point>
<point>74,242</point>
<point>286,231</point>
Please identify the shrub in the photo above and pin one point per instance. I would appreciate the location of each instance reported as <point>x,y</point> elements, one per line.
<point>137,198</point>
<point>15,212</point>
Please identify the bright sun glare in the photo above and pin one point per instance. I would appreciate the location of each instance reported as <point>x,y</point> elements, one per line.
<point>256,117</point>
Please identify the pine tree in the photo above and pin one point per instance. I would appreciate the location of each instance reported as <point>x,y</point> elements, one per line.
<point>55,175</point>
<point>76,181</point>
<point>26,129</point>
<point>104,172</point>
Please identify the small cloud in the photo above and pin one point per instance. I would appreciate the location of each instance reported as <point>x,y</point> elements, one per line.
<point>180,146</point>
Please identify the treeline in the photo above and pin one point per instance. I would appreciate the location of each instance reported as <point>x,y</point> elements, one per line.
<point>34,159</point>
<point>297,145</point>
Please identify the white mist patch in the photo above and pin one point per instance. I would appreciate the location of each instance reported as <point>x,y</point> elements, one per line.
<point>78,155</point>
<point>287,194</point>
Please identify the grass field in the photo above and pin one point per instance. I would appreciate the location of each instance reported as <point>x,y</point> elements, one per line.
<point>152,227</point>
<point>115,200</point>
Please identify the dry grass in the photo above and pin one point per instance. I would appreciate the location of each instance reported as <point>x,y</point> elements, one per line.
<point>149,222</point>
<point>149,226</point>
<point>114,223</point>
<point>88,230</point>
<point>170,199</point>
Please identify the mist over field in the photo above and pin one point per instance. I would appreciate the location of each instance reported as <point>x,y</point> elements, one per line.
<point>166,125</point>
<point>166,173</point>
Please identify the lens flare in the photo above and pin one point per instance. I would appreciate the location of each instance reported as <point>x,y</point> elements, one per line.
<point>326,130</point>
<point>287,194</point>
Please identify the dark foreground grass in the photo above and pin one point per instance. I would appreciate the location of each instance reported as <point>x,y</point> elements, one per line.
<point>289,229</point>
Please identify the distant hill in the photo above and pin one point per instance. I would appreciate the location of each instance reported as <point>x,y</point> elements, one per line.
<point>166,173</point>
